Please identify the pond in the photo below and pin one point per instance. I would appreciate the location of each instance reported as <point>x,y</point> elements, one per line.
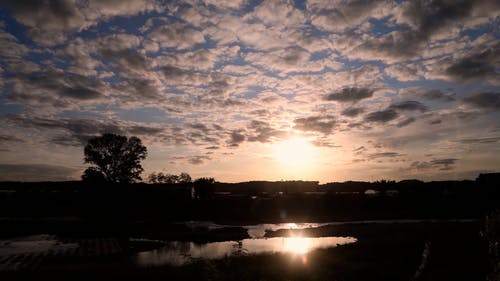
<point>180,253</point>
<point>259,230</point>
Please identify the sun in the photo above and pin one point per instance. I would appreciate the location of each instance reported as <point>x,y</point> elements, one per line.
<point>295,153</point>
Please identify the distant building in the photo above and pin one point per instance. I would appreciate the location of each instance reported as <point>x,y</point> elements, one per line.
<point>372,192</point>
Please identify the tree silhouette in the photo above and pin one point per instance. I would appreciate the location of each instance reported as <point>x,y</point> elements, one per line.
<point>182,178</point>
<point>153,178</point>
<point>185,178</point>
<point>116,158</point>
<point>204,188</point>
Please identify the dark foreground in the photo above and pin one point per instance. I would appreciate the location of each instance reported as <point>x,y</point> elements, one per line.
<point>98,223</point>
<point>397,251</point>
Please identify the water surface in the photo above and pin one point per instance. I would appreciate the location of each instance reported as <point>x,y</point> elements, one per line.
<point>259,230</point>
<point>180,253</point>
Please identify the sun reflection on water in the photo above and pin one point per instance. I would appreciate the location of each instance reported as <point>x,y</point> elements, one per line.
<point>179,253</point>
<point>297,245</point>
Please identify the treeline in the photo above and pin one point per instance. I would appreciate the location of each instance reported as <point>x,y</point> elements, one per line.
<point>206,199</point>
<point>484,183</point>
<point>260,187</point>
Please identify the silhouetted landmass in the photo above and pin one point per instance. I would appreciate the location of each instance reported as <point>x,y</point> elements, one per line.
<point>113,213</point>
<point>256,201</point>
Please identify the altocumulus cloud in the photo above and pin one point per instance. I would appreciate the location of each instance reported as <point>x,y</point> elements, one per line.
<point>381,116</point>
<point>486,100</point>
<point>350,95</point>
<point>198,76</point>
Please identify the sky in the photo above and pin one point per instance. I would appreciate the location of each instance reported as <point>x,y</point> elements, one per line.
<point>239,90</point>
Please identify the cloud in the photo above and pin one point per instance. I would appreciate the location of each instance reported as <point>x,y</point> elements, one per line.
<point>384,155</point>
<point>139,90</point>
<point>176,35</point>
<point>359,150</point>
<point>485,100</point>
<point>352,111</point>
<point>406,122</point>
<point>444,164</point>
<point>219,86</point>
<point>251,34</point>
<point>194,160</point>
<point>36,172</point>
<point>69,140</point>
<point>420,22</point>
<point>405,72</point>
<point>81,129</point>
<point>197,137</point>
<point>10,47</point>
<point>292,59</point>
<point>393,47</point>
<point>175,76</point>
<point>350,94</point>
<point>225,4</point>
<point>198,160</point>
<point>200,126</point>
<point>320,124</point>
<point>10,138</point>
<point>341,15</point>
<point>408,106</point>
<point>50,22</point>
<point>142,130</point>
<point>323,142</point>
<point>428,18</point>
<point>275,13</point>
<point>225,73</point>
<point>200,59</point>
<point>236,138</point>
<point>486,140</point>
<point>433,94</point>
<point>420,165</point>
<point>482,66</point>
<point>263,132</point>
<point>127,62</point>
<point>382,116</point>
<point>55,88</point>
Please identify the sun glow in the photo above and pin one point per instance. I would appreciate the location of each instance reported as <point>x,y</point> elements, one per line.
<point>295,153</point>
